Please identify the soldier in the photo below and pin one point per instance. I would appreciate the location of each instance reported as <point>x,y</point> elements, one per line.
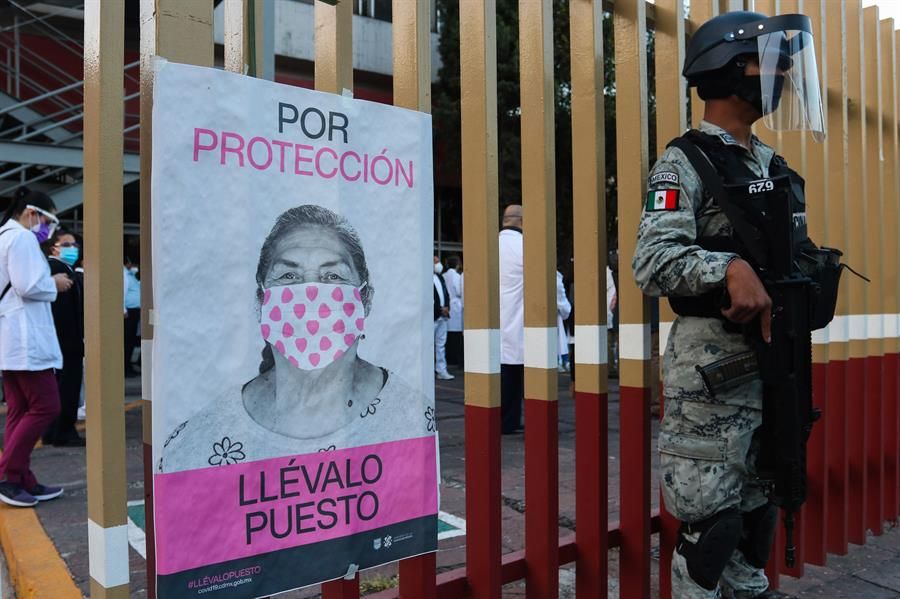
<point>746,67</point>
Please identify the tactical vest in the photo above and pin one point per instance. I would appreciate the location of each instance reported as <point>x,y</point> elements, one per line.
<point>728,180</point>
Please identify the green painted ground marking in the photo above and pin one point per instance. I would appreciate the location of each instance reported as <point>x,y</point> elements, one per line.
<point>450,526</point>
<point>136,514</point>
<point>137,522</point>
<point>444,527</point>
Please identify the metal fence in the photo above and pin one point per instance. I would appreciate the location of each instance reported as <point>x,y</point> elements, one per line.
<point>852,190</point>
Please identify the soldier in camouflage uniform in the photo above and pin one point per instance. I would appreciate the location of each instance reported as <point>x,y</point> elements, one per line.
<point>706,443</point>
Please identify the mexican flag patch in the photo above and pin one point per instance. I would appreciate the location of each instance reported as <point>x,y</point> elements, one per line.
<point>663,199</point>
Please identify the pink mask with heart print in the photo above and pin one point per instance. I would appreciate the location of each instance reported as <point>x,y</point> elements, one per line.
<point>312,324</point>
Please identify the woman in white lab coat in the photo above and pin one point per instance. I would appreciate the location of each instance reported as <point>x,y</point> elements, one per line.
<point>29,350</point>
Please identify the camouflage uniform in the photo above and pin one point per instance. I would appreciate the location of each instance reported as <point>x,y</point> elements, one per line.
<point>706,444</point>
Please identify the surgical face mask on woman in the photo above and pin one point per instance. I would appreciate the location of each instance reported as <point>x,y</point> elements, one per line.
<point>43,230</point>
<point>69,254</point>
<point>438,269</point>
<point>312,324</point>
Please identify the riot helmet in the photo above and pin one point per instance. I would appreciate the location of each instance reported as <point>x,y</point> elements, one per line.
<point>786,91</point>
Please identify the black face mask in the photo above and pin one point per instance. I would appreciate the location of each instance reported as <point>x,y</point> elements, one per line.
<point>749,90</point>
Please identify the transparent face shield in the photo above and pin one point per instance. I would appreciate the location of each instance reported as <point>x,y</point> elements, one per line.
<point>789,82</point>
<point>53,221</point>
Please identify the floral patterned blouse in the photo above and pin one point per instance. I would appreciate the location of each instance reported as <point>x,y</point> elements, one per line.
<point>223,433</point>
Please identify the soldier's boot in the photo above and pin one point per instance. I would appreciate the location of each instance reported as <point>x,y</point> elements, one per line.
<point>683,586</point>
<point>744,577</point>
<point>702,552</point>
<point>741,580</point>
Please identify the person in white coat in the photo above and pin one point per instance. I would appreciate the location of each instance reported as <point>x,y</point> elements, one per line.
<point>512,321</point>
<point>612,300</point>
<point>29,350</point>
<point>441,316</point>
<point>454,280</point>
<point>563,308</point>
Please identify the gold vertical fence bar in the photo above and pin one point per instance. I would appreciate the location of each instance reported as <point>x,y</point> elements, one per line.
<point>671,115</point>
<point>766,135</point>
<point>590,251</point>
<point>856,254</point>
<point>671,121</point>
<point>793,143</point>
<point>244,36</point>
<point>412,54</point>
<point>701,12</point>
<point>478,103</point>
<point>412,89</point>
<point>538,100</point>
<point>895,198</point>
<point>630,27</point>
<point>589,195</point>
<point>890,190</point>
<point>334,74</point>
<point>872,201</point>
<point>632,163</point>
<point>104,41</point>
<point>895,182</point>
<point>837,150</point>
<point>538,196</point>
<point>856,179</point>
<point>889,267</point>
<point>817,198</point>
<point>478,109</point>
<point>589,192</point>
<point>836,334</point>
<point>334,46</point>
<point>181,31</point>
<point>818,195</point>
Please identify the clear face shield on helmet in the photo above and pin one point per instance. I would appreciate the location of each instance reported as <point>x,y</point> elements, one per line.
<point>789,76</point>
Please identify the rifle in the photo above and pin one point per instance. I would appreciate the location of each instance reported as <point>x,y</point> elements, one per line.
<point>802,281</point>
<point>785,367</point>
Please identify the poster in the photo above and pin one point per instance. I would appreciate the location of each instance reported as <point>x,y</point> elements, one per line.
<point>292,384</point>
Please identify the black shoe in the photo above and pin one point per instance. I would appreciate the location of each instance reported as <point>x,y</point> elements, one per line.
<point>45,493</point>
<point>775,595</point>
<point>13,494</point>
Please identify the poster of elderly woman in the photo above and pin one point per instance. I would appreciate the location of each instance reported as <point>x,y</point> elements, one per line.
<point>294,437</point>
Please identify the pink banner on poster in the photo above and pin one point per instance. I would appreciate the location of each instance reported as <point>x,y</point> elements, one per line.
<point>216,514</point>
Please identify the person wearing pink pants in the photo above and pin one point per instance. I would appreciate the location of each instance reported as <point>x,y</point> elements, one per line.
<point>29,350</point>
<point>32,400</point>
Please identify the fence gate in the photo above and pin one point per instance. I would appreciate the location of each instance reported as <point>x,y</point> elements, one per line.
<point>852,188</point>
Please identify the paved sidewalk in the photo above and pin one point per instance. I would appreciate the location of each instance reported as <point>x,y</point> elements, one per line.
<point>872,571</point>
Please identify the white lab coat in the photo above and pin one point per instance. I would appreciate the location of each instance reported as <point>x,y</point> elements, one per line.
<point>454,282</point>
<point>610,292</point>
<point>27,335</point>
<point>563,309</point>
<point>512,298</point>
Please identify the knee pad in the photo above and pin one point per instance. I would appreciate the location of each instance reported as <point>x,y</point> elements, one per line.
<point>707,557</point>
<point>759,533</point>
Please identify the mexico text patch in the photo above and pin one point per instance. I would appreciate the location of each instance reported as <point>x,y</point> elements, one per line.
<point>664,177</point>
<point>663,199</point>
